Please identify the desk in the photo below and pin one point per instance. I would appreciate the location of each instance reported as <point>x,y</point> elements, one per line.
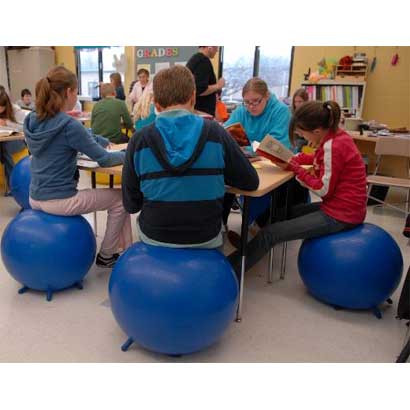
<point>391,165</point>
<point>270,178</point>
<point>19,136</point>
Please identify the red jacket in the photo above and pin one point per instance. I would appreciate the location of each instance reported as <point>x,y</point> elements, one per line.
<point>338,177</point>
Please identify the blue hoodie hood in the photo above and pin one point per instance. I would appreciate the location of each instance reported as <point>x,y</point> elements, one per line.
<point>39,134</point>
<point>180,131</point>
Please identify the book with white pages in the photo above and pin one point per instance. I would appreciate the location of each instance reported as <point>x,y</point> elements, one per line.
<point>274,150</point>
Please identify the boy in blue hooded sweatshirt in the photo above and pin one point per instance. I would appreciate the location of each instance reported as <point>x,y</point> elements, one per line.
<point>54,139</point>
<point>176,169</point>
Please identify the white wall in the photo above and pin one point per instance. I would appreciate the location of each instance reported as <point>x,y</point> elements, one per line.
<point>3,70</point>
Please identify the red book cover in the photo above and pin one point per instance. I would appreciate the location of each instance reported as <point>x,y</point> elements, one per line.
<point>238,133</point>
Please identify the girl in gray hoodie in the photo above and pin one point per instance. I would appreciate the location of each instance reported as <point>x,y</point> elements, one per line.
<point>54,139</point>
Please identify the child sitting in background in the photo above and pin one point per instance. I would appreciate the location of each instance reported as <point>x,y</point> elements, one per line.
<point>116,81</point>
<point>144,110</point>
<point>12,117</point>
<point>26,102</point>
<point>338,177</point>
<point>176,169</point>
<point>109,115</point>
<point>54,139</point>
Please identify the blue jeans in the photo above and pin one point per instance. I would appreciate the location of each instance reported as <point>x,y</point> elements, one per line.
<point>306,221</point>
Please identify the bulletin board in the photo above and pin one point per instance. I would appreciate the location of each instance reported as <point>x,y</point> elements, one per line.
<point>156,58</point>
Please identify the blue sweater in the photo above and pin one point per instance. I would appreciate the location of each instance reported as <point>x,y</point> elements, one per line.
<point>175,172</point>
<point>54,144</point>
<point>274,121</point>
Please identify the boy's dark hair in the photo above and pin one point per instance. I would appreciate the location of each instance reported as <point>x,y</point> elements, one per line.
<point>25,91</point>
<point>173,86</point>
<point>315,114</point>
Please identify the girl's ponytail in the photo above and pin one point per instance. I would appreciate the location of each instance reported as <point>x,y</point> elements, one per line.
<point>334,115</point>
<point>51,91</point>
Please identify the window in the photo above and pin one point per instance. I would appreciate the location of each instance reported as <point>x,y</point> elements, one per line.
<point>94,65</point>
<point>271,63</point>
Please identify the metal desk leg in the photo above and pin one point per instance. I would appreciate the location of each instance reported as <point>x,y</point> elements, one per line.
<point>93,186</point>
<point>244,241</point>
<point>285,244</point>
<point>272,250</point>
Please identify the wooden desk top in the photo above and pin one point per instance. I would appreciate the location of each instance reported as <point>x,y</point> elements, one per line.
<point>270,177</point>
<point>16,137</point>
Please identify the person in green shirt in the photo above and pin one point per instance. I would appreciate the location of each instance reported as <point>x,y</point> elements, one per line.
<point>109,115</point>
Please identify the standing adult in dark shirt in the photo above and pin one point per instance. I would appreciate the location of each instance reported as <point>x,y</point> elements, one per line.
<point>205,80</point>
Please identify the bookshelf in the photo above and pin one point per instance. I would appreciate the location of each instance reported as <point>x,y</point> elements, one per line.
<point>349,94</point>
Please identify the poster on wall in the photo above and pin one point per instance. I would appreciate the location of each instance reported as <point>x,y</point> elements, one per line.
<point>159,57</point>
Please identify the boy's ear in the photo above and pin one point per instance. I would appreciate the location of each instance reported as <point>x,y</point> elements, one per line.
<point>193,99</point>
<point>158,107</point>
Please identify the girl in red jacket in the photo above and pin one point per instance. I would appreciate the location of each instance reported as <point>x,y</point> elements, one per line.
<point>337,176</point>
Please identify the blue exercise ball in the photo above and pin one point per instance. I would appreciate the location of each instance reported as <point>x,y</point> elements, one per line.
<point>355,269</point>
<point>20,179</point>
<point>173,301</point>
<point>48,252</point>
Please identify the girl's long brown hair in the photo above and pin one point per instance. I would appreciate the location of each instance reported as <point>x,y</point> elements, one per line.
<point>8,113</point>
<point>302,93</point>
<point>51,91</point>
<point>315,114</point>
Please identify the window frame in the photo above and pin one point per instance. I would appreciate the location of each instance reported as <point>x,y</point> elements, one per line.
<point>256,64</point>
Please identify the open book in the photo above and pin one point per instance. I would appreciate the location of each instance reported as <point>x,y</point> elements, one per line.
<point>274,150</point>
<point>238,134</point>
<point>7,131</point>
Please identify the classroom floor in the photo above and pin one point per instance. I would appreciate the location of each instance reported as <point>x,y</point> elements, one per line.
<point>281,322</point>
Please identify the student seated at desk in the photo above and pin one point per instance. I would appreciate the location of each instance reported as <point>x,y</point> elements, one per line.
<point>26,102</point>
<point>109,115</point>
<point>11,116</point>
<point>176,169</point>
<point>338,177</point>
<point>260,114</point>
<point>54,139</point>
<point>144,110</point>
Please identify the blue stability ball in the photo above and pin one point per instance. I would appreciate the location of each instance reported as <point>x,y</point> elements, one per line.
<point>173,301</point>
<point>355,269</point>
<point>48,252</point>
<point>20,179</point>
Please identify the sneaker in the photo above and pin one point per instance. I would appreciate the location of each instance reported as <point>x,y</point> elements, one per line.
<point>235,208</point>
<point>106,262</point>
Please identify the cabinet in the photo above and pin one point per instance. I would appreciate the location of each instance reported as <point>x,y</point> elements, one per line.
<point>348,94</point>
<point>26,67</point>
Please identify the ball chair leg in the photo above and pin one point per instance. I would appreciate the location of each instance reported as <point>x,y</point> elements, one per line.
<point>127,344</point>
<point>389,301</point>
<point>49,295</point>
<point>24,289</point>
<point>79,285</point>
<point>376,312</point>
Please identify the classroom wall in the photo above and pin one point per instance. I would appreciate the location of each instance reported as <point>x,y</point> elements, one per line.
<point>3,69</point>
<point>65,56</point>
<point>387,97</point>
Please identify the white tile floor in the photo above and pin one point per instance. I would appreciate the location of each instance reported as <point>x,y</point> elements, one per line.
<point>281,321</point>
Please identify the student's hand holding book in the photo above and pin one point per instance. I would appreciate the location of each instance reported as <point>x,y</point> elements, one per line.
<point>274,150</point>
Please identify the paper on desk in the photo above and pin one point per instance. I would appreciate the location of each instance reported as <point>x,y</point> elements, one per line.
<point>87,164</point>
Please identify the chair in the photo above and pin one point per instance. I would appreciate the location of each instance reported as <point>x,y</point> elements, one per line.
<point>396,146</point>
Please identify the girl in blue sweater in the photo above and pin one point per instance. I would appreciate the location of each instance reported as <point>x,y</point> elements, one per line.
<point>54,139</point>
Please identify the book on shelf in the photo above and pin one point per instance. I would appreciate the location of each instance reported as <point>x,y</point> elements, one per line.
<point>238,133</point>
<point>274,150</point>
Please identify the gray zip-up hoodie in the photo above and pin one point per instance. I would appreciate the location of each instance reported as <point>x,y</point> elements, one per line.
<point>54,144</point>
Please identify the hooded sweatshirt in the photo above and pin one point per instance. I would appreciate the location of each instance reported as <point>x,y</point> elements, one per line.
<point>54,144</point>
<point>274,120</point>
<point>175,172</point>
